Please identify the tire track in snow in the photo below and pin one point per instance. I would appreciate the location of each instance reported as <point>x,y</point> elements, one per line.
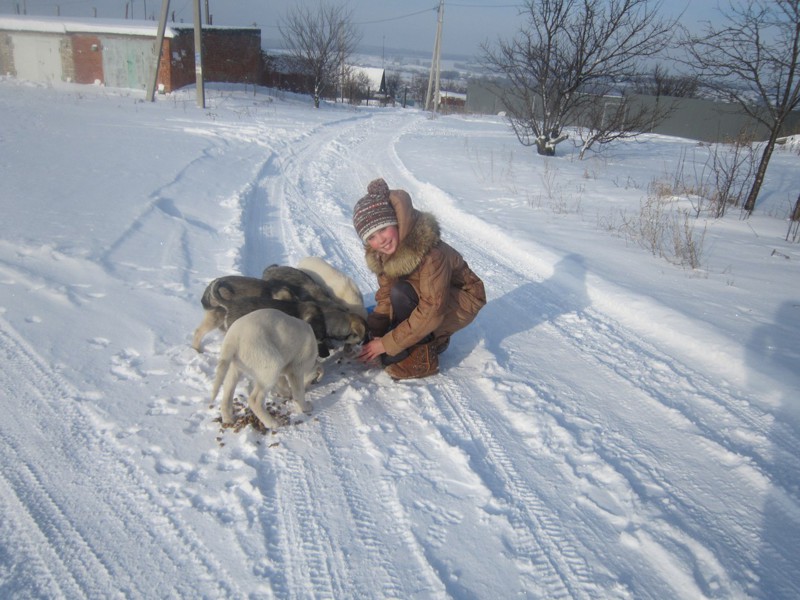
<point>50,450</point>
<point>33,559</point>
<point>559,563</point>
<point>324,503</point>
<point>300,494</point>
<point>375,507</point>
<point>315,557</point>
<point>670,382</point>
<point>605,347</point>
<point>554,559</point>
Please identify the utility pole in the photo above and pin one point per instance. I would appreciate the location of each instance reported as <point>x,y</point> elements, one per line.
<point>162,26</point>
<point>433,79</point>
<point>198,55</point>
<point>341,61</point>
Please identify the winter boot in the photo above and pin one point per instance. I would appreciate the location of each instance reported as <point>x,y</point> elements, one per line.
<point>440,344</point>
<point>422,361</point>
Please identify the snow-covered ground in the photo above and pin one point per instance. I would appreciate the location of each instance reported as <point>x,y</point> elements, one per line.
<point>613,425</point>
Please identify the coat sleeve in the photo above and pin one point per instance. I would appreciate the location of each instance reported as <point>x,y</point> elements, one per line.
<point>432,287</point>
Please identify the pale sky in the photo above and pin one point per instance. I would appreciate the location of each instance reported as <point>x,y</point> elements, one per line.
<point>384,23</point>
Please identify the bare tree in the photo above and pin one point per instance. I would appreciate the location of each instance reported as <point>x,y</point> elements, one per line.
<point>567,53</point>
<point>752,59</point>
<point>356,86</point>
<point>607,119</point>
<point>393,85</point>
<point>319,42</point>
<point>419,88</point>
<point>658,82</point>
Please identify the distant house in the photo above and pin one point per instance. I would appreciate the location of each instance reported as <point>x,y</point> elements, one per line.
<point>121,53</point>
<point>376,76</point>
<point>452,101</point>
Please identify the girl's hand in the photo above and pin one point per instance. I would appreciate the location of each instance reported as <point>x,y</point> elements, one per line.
<point>371,350</point>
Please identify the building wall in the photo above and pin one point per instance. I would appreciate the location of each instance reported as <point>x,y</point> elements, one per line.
<point>231,55</point>
<point>7,55</point>
<point>179,56</point>
<point>125,60</point>
<point>37,57</point>
<point>703,120</point>
<point>711,121</point>
<point>87,58</point>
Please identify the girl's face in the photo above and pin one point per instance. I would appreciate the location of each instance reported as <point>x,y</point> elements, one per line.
<point>385,240</point>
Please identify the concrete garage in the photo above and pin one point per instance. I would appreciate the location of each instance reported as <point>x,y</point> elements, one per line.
<point>120,53</point>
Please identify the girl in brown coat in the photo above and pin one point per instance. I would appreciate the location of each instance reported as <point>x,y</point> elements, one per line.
<point>426,290</point>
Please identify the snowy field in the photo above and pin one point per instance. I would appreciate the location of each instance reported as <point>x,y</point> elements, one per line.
<point>613,425</point>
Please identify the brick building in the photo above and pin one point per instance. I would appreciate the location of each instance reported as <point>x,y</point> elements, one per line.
<point>121,53</point>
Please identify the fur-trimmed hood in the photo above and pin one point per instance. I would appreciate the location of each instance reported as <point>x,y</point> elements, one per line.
<point>419,232</point>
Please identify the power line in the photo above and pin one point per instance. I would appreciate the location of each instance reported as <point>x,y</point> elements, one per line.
<point>414,14</point>
<point>487,5</point>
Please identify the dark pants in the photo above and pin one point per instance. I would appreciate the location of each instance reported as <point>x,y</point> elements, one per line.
<point>404,300</point>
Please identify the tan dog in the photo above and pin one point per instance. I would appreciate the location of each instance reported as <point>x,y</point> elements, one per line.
<point>266,345</point>
<point>309,312</point>
<point>337,284</point>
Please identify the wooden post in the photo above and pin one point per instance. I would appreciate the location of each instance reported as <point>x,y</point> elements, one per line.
<point>433,78</point>
<point>198,56</point>
<point>794,223</point>
<point>162,26</point>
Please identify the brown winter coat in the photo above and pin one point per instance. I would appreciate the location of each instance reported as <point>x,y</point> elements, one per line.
<point>450,294</point>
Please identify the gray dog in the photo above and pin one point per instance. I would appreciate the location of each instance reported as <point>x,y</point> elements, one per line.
<point>341,325</point>
<point>226,299</point>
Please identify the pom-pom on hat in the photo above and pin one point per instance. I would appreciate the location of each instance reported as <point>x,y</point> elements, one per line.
<point>374,211</point>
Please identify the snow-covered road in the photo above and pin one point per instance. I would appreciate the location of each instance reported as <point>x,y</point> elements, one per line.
<point>586,437</point>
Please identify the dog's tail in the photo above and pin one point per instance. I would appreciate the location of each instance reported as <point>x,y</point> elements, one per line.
<point>205,299</point>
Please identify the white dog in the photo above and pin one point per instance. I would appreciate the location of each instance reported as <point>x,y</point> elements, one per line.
<point>335,282</point>
<point>266,345</point>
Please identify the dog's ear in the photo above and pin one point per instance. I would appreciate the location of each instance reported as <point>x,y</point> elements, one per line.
<point>265,273</point>
<point>283,293</point>
<point>222,291</point>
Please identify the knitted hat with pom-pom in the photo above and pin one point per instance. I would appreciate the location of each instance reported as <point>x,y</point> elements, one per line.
<point>374,211</point>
